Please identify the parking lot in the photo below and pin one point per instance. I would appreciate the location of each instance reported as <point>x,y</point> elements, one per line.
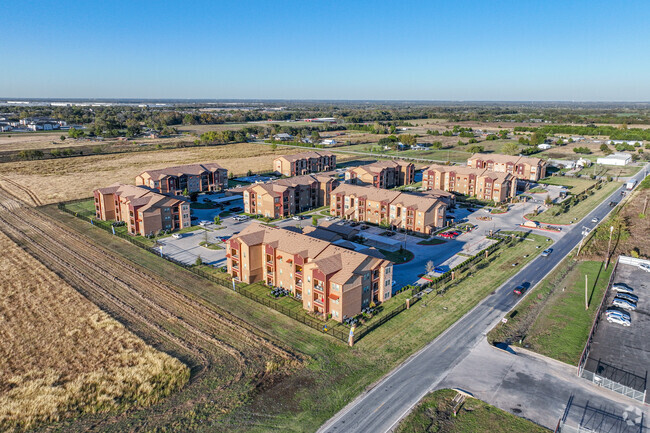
<point>444,256</point>
<point>622,353</point>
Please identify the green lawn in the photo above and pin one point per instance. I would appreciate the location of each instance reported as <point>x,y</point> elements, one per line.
<point>333,373</point>
<point>575,184</point>
<point>610,170</point>
<point>434,413</point>
<point>397,257</point>
<point>433,241</point>
<point>552,320</point>
<point>577,211</point>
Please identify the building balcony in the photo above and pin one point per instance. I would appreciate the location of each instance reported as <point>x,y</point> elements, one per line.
<point>319,288</point>
<point>320,302</point>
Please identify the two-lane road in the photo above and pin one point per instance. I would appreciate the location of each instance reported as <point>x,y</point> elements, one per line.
<point>383,406</point>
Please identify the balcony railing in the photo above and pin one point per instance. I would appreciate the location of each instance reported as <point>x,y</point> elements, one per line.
<point>319,288</point>
<point>320,302</point>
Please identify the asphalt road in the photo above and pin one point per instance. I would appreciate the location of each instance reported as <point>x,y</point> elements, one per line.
<point>383,406</point>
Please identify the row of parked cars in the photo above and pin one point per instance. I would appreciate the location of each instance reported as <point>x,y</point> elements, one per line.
<point>624,301</point>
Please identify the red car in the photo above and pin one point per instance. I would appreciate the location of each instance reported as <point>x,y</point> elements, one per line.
<point>519,290</point>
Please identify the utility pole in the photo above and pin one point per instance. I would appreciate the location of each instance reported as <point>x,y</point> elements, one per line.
<point>609,245</point>
<point>645,204</point>
<point>586,300</point>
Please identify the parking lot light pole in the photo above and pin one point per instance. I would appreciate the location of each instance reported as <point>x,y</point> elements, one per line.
<point>586,300</point>
<point>609,245</point>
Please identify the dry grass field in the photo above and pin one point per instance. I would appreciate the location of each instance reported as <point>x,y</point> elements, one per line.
<point>55,180</point>
<point>61,356</point>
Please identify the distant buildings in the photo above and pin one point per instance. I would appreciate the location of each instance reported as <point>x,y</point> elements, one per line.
<point>304,163</point>
<point>284,197</point>
<point>544,146</point>
<point>382,174</point>
<point>191,177</point>
<point>282,137</point>
<point>521,167</point>
<point>615,159</point>
<point>412,212</point>
<point>632,142</point>
<point>329,280</point>
<point>143,211</point>
<point>477,182</point>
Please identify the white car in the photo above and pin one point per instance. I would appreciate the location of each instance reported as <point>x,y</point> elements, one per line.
<point>618,320</point>
<point>644,266</point>
<point>624,304</point>
<point>177,235</point>
<point>622,288</point>
<point>204,223</point>
<point>330,218</point>
<point>594,220</point>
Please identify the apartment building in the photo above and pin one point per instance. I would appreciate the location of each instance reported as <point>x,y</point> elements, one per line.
<point>304,163</point>
<point>477,182</point>
<point>412,212</point>
<point>193,177</point>
<point>284,197</point>
<point>382,174</point>
<point>145,212</point>
<point>522,167</point>
<point>329,279</point>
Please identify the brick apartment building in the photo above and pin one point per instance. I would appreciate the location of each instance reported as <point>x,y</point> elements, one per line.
<point>382,174</point>
<point>521,167</point>
<point>193,177</point>
<point>144,211</point>
<point>413,212</point>
<point>477,182</point>
<point>284,197</point>
<point>329,279</point>
<point>304,163</point>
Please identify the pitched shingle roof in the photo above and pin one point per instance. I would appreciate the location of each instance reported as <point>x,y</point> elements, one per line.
<point>179,170</point>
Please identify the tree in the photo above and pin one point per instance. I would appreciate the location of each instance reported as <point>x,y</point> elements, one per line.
<point>510,148</point>
<point>475,149</point>
<point>185,192</point>
<point>548,200</point>
<point>429,267</point>
<point>199,261</point>
<point>315,136</point>
<point>314,221</point>
<point>63,138</point>
<point>274,146</point>
<point>217,221</point>
<point>408,139</point>
<point>75,133</point>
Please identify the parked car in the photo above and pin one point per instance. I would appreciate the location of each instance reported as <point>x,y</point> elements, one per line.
<point>355,223</point>
<point>619,320</point>
<point>438,270</point>
<point>623,303</point>
<point>206,200</point>
<point>628,296</point>
<point>194,218</point>
<point>594,220</point>
<point>617,313</point>
<point>547,252</point>
<point>622,288</point>
<point>204,223</point>
<point>644,267</point>
<point>330,218</point>
<point>177,235</point>
<point>297,217</point>
<point>520,289</point>
<point>236,209</point>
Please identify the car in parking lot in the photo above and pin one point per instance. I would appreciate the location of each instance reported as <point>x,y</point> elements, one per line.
<point>617,313</point>
<point>241,218</point>
<point>619,320</point>
<point>297,217</point>
<point>438,270</point>
<point>547,252</point>
<point>644,267</point>
<point>628,296</point>
<point>622,288</point>
<point>520,289</point>
<point>330,218</point>
<point>594,220</point>
<point>204,223</point>
<point>624,303</point>
<point>177,235</point>
<point>236,209</point>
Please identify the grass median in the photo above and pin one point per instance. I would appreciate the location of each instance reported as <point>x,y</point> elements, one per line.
<point>435,413</point>
<point>552,320</point>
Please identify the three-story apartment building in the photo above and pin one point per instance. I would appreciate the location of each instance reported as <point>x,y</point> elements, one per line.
<point>329,279</point>
<point>144,211</point>
<point>191,177</point>
<point>284,197</point>
<point>481,183</point>
<point>409,211</point>
<point>304,163</point>
<point>522,167</point>
<point>382,174</point>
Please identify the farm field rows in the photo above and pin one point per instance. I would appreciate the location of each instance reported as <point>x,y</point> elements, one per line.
<point>227,357</point>
<point>62,356</point>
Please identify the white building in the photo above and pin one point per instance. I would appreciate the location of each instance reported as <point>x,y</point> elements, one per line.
<point>329,141</point>
<point>615,159</point>
<point>544,146</point>
<point>282,137</point>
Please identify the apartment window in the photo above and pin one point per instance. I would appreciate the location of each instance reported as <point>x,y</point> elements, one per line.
<point>335,314</point>
<point>244,265</point>
<point>308,279</point>
<point>309,291</point>
<point>335,286</point>
<point>244,254</point>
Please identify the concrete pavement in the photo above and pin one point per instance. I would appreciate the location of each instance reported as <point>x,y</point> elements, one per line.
<point>382,406</point>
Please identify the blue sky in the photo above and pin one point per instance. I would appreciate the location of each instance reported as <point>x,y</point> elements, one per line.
<point>429,50</point>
